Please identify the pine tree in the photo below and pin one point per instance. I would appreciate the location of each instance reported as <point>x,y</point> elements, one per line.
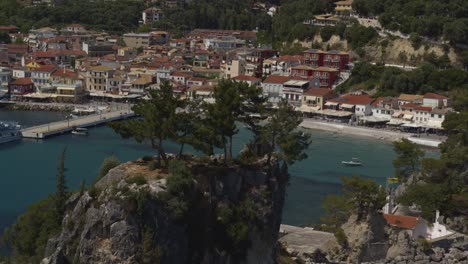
<point>157,122</point>
<point>61,193</point>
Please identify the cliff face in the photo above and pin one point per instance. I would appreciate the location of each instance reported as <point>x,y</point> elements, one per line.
<point>233,217</point>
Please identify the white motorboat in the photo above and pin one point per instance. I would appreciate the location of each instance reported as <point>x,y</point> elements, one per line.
<point>352,162</point>
<point>81,131</point>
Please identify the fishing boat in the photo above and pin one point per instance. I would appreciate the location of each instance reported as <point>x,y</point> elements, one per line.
<point>80,131</point>
<point>9,131</point>
<point>352,162</point>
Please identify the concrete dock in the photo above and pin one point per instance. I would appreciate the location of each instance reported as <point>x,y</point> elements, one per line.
<point>61,127</point>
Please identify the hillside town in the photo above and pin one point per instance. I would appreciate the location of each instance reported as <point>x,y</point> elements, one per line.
<point>75,65</point>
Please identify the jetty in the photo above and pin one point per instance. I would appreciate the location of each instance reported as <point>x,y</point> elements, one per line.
<point>65,126</point>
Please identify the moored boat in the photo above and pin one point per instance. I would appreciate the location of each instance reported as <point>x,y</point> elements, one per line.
<point>9,131</point>
<point>352,162</point>
<point>81,131</point>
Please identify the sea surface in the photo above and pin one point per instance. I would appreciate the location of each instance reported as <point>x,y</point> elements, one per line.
<point>28,167</point>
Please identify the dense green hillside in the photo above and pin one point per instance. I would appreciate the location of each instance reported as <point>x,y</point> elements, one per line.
<point>431,18</point>
<point>113,16</point>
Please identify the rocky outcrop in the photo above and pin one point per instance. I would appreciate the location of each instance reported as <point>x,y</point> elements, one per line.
<point>121,220</point>
<point>26,106</point>
<point>366,240</point>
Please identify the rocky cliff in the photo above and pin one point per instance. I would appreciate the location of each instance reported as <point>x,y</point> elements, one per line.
<point>229,215</point>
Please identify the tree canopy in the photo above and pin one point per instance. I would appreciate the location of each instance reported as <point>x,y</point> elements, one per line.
<point>430,18</point>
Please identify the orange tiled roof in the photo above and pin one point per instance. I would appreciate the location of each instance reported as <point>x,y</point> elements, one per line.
<point>402,221</point>
<point>245,78</point>
<point>434,96</point>
<point>276,79</point>
<point>22,81</point>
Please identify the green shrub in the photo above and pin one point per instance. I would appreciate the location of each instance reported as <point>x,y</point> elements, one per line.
<point>94,192</point>
<point>341,237</point>
<point>137,179</point>
<point>152,165</point>
<point>108,164</point>
<point>147,158</point>
<point>28,236</point>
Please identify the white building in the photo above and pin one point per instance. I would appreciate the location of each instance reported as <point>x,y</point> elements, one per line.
<point>5,76</point>
<point>272,87</point>
<point>436,100</point>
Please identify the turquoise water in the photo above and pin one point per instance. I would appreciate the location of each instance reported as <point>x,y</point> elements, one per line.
<point>28,167</point>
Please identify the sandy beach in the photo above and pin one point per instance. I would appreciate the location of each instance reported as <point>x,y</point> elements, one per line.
<point>386,135</point>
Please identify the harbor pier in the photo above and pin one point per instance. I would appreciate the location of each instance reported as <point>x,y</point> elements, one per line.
<point>61,127</point>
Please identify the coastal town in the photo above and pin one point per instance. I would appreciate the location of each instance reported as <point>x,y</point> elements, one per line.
<point>74,65</point>
<point>346,70</point>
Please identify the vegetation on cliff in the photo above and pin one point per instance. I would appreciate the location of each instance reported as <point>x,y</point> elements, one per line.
<point>390,81</point>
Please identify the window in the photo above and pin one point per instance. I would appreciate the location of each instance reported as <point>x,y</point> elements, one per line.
<point>432,115</point>
<point>440,116</point>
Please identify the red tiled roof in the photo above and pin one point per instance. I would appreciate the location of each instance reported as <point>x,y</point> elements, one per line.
<point>245,78</point>
<point>22,81</point>
<point>65,73</point>
<point>182,74</point>
<point>434,96</point>
<point>423,108</point>
<point>318,91</point>
<point>387,100</point>
<point>197,79</point>
<point>46,68</point>
<point>326,69</point>
<point>314,51</point>
<point>410,105</point>
<point>276,79</point>
<point>402,221</point>
<point>289,58</point>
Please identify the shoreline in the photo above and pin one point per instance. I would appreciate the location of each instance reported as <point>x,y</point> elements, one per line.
<point>28,106</point>
<point>379,134</point>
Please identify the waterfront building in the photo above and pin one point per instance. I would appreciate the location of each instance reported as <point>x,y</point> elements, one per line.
<point>97,79</point>
<point>313,99</point>
<point>410,98</point>
<point>272,87</point>
<point>20,87</point>
<point>6,75</point>
<point>41,77</point>
<point>360,105</point>
<point>436,100</point>
<point>69,86</point>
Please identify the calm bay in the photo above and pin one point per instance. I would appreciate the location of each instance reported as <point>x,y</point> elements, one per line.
<point>28,167</point>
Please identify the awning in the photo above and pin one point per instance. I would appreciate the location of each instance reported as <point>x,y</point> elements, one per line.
<point>397,114</point>
<point>408,117</point>
<point>309,109</point>
<point>411,125</point>
<point>373,119</point>
<point>395,122</point>
<point>434,124</point>
<point>347,106</point>
<point>330,104</point>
